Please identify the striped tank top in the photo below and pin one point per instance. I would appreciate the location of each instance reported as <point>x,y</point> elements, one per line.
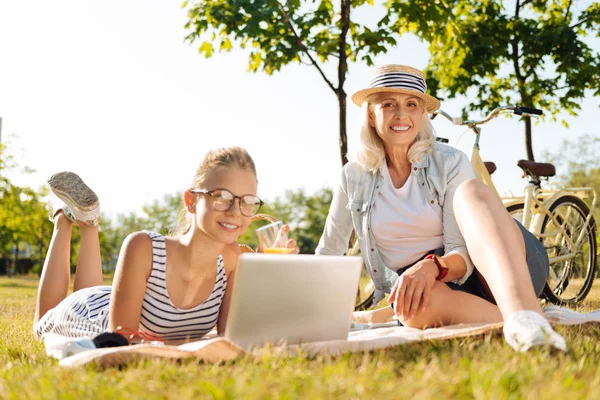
<point>161,317</point>
<point>84,313</point>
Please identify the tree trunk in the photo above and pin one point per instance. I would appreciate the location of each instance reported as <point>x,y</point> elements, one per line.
<point>343,136</point>
<point>525,98</point>
<point>342,69</point>
<point>528,141</point>
<point>15,259</point>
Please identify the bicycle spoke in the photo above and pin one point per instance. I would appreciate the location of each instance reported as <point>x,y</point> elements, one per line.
<point>570,243</point>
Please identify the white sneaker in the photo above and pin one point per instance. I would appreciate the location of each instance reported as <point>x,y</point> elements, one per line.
<point>60,347</point>
<point>78,197</point>
<point>526,329</point>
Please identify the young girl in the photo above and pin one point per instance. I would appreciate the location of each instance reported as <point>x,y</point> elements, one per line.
<point>177,288</point>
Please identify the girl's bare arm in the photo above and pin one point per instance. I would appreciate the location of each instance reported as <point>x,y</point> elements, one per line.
<point>129,284</point>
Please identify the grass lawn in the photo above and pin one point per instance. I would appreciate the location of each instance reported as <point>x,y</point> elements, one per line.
<point>483,367</point>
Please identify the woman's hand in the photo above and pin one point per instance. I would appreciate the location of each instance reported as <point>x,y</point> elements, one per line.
<point>412,291</point>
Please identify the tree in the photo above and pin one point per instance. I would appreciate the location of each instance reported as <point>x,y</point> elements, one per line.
<point>161,215</point>
<point>305,214</point>
<point>24,224</point>
<point>310,215</point>
<point>158,216</point>
<point>530,52</point>
<point>282,32</point>
<point>113,233</point>
<point>579,165</point>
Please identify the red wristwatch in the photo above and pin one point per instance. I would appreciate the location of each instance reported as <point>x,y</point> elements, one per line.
<point>443,271</point>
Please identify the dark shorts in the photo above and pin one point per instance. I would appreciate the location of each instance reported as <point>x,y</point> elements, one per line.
<point>537,261</point>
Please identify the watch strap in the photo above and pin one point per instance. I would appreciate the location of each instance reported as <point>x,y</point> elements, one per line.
<point>442,271</point>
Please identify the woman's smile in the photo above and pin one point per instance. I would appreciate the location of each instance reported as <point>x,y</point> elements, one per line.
<point>400,127</point>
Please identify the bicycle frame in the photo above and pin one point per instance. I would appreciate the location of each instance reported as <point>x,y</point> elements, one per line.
<point>537,201</point>
<point>536,206</point>
<point>481,172</point>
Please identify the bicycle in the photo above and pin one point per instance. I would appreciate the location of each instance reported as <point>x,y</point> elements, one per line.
<point>559,218</point>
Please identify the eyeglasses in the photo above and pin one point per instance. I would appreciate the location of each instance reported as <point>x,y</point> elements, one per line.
<point>223,199</point>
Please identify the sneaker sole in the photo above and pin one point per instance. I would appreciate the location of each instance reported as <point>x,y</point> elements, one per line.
<point>71,189</point>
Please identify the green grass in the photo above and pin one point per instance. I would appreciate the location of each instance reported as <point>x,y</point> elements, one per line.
<point>483,367</point>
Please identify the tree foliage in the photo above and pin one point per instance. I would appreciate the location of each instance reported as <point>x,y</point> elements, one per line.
<point>306,215</point>
<point>530,52</point>
<point>578,164</point>
<point>278,33</point>
<point>26,230</point>
<point>160,216</point>
<point>24,224</point>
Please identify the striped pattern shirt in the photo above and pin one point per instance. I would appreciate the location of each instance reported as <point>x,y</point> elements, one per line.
<point>161,317</point>
<point>85,312</point>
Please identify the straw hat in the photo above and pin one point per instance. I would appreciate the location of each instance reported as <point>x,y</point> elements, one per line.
<point>398,79</point>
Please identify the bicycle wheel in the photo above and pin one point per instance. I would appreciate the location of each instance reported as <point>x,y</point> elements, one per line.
<point>366,291</point>
<point>366,287</point>
<point>570,278</point>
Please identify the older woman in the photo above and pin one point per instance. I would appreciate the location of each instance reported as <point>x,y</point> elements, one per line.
<point>422,218</point>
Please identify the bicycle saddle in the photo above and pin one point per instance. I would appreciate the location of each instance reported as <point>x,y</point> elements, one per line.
<point>535,169</point>
<point>490,166</point>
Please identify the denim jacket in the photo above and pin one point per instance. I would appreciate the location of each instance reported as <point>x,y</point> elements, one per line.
<point>439,172</point>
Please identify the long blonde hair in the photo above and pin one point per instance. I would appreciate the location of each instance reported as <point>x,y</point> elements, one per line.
<point>231,157</point>
<point>371,153</point>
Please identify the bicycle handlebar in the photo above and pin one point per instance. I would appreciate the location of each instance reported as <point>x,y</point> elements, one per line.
<point>529,110</point>
<point>518,110</point>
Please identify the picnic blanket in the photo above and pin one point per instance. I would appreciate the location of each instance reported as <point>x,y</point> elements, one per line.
<point>219,349</point>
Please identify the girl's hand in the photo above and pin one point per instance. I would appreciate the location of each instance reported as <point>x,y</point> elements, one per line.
<point>412,291</point>
<point>289,244</point>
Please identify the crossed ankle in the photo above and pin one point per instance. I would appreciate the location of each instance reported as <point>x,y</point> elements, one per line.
<point>62,219</point>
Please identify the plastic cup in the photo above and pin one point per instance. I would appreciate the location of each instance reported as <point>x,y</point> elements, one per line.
<point>273,238</point>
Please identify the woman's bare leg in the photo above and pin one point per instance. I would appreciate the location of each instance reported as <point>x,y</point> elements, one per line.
<point>54,281</point>
<point>496,247</point>
<point>449,307</point>
<point>89,263</point>
<point>466,308</point>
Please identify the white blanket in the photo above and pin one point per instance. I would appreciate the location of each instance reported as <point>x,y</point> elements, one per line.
<point>218,349</point>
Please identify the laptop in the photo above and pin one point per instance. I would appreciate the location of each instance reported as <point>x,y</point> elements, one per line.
<point>292,299</point>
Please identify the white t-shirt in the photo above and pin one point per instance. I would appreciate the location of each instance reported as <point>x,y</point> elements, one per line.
<point>404,225</point>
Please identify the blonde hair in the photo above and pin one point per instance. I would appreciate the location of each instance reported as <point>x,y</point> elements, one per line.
<point>371,153</point>
<point>231,157</point>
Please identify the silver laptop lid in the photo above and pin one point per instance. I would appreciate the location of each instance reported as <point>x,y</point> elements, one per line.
<point>292,298</point>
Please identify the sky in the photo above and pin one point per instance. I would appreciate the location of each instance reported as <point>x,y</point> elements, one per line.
<point>112,91</point>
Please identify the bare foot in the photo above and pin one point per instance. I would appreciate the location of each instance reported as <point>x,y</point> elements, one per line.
<point>378,316</point>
